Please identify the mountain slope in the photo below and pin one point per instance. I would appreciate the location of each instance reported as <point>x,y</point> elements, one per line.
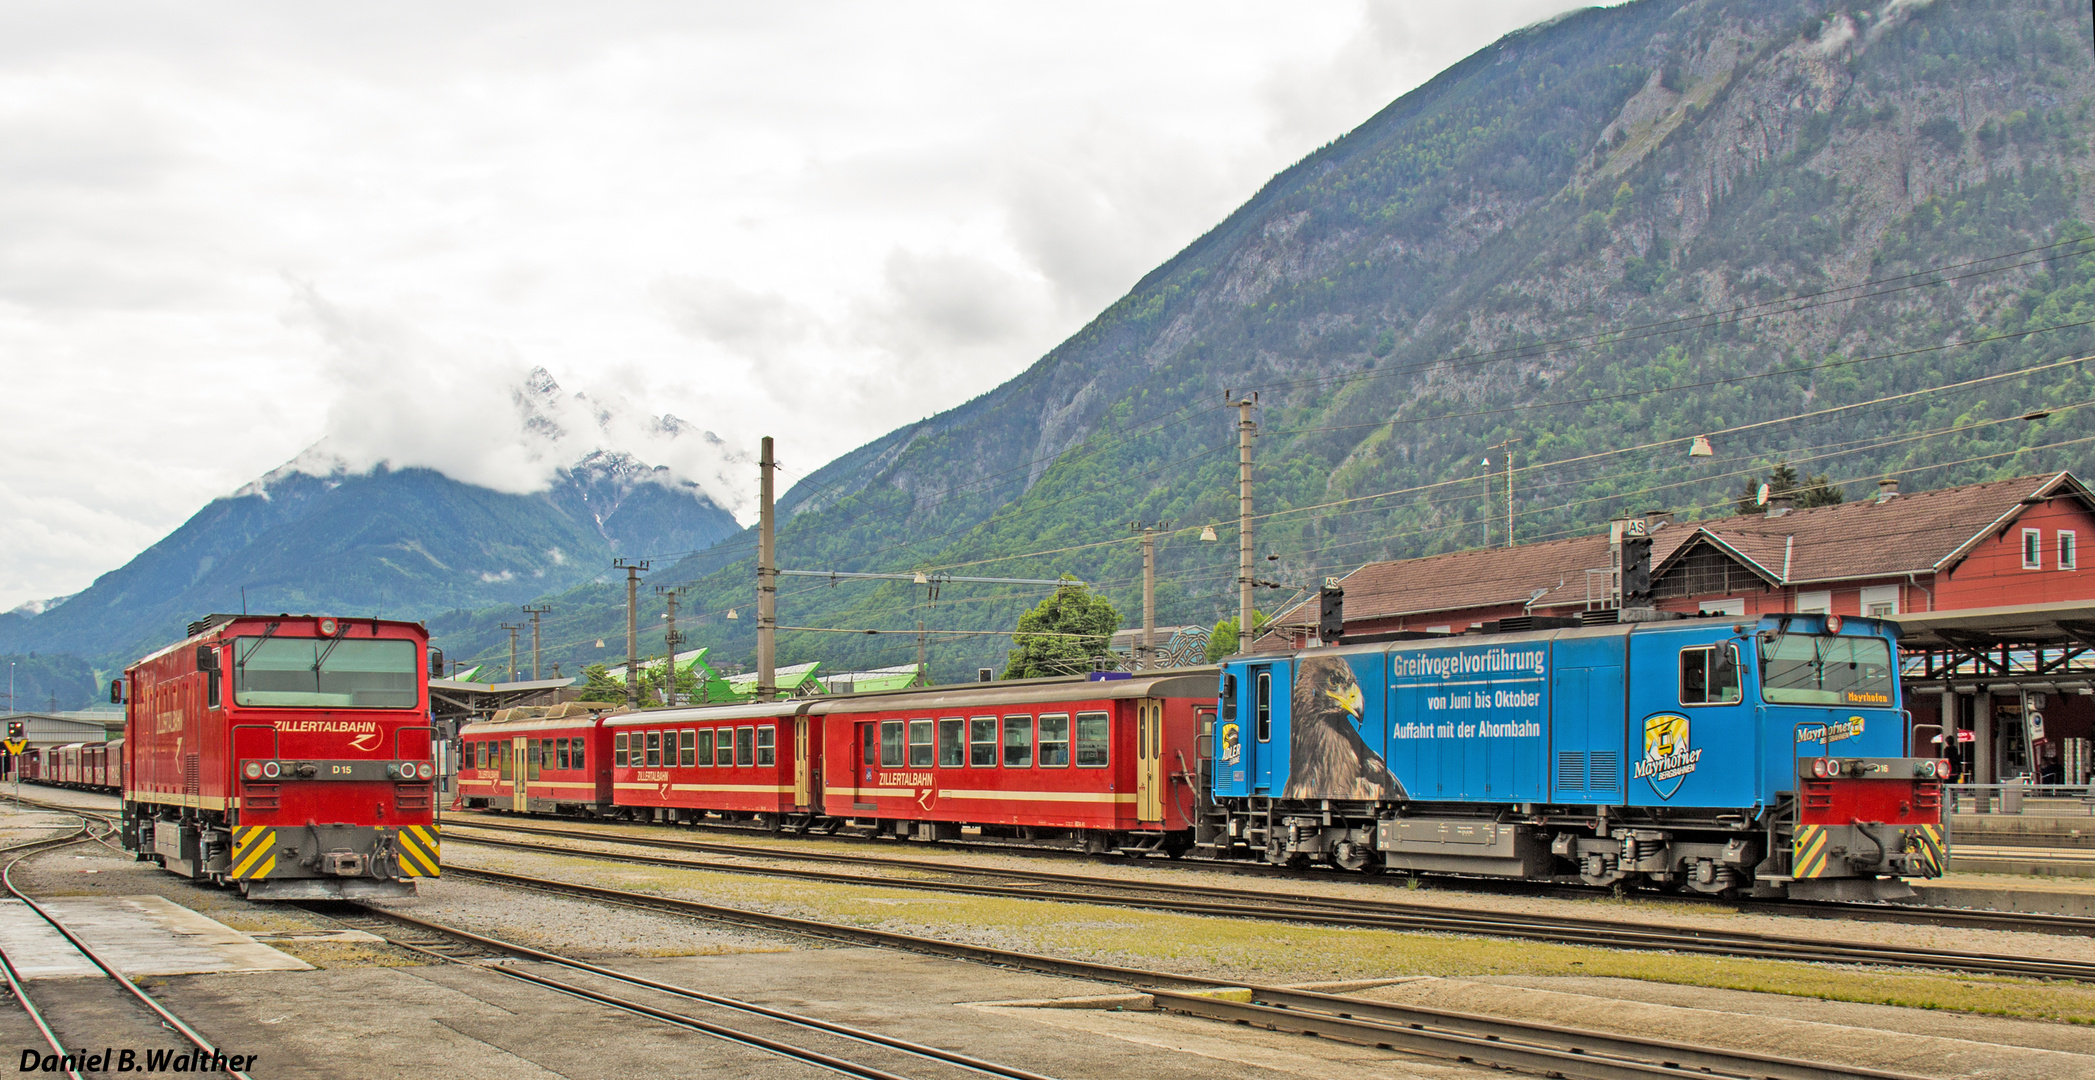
<point>1591,241</point>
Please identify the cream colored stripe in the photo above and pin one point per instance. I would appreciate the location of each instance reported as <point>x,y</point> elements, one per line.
<point>875,792</point>
<point>1041,796</point>
<point>767,789</point>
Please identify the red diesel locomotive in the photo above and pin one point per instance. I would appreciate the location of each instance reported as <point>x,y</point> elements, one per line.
<point>288,755</point>
<point>1112,764</point>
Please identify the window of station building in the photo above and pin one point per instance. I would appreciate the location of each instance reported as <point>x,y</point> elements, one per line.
<point>2033,549</point>
<point>560,753</point>
<point>982,742</point>
<point>1018,742</point>
<point>705,746</point>
<point>920,748</point>
<point>1054,741</point>
<point>767,745</point>
<point>745,746</point>
<point>1262,705</point>
<point>952,743</point>
<point>687,748</point>
<point>1880,601</point>
<point>654,748</point>
<point>2069,554</point>
<point>1093,740</point>
<point>1710,676</point>
<point>724,747</point>
<point>618,750</point>
<point>891,744</point>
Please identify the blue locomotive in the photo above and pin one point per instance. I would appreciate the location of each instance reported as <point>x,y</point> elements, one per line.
<point>1717,755</point>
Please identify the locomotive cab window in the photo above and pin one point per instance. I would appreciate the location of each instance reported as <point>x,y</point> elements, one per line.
<point>705,747</point>
<point>618,751</point>
<point>982,742</point>
<point>1018,742</point>
<point>1262,705</point>
<point>1812,669</point>
<point>1710,676</point>
<point>1229,697</point>
<point>687,748</point>
<point>326,673</point>
<point>952,743</point>
<point>1092,740</point>
<point>891,746</point>
<point>1054,741</point>
<point>920,749</point>
<point>767,745</point>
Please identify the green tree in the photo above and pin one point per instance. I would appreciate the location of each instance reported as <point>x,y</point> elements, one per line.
<point>598,685</point>
<point>1222,641</point>
<point>1063,635</point>
<point>1784,480</point>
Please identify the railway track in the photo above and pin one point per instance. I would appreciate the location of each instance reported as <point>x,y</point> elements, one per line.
<point>1301,908</point>
<point>455,945</point>
<point>1914,915</point>
<point>212,1059</point>
<point>1499,1042</point>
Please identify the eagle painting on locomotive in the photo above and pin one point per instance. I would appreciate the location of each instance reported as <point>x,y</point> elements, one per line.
<point>1705,754</point>
<point>286,755</point>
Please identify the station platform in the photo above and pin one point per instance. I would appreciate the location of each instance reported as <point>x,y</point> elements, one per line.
<point>2032,895</point>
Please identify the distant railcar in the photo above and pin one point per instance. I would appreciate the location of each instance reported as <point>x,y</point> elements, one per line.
<point>545,761</point>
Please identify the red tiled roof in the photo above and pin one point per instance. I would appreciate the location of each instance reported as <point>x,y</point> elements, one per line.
<point>1922,532</point>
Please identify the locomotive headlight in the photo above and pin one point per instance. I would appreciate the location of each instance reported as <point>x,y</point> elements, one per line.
<point>426,769</point>
<point>1943,769</point>
<point>1818,768</point>
<point>270,769</point>
<point>254,770</point>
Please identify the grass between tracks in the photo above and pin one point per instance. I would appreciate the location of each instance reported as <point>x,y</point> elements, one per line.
<point>1232,950</point>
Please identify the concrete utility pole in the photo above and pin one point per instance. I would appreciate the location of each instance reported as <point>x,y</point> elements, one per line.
<point>670,640</point>
<point>767,579</point>
<point>537,656</point>
<point>1146,649</point>
<point>512,628</point>
<point>1507,446</point>
<point>923,661</point>
<point>633,571</point>
<point>1246,428</point>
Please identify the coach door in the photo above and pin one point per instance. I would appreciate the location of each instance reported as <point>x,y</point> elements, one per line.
<point>803,782</point>
<point>1149,760</point>
<point>518,785</point>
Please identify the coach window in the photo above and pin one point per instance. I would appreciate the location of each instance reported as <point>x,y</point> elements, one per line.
<point>891,744</point>
<point>503,763</point>
<point>982,742</point>
<point>767,745</point>
<point>687,752</point>
<point>869,743</point>
<point>952,743</point>
<point>1054,741</point>
<point>724,747</point>
<point>1262,706</point>
<point>654,748</point>
<point>705,747</point>
<point>576,759</point>
<point>531,752</point>
<point>1710,676</point>
<point>920,750</point>
<point>618,750</point>
<point>1018,742</point>
<point>1092,740</point>
<point>560,753</point>
<point>745,746</point>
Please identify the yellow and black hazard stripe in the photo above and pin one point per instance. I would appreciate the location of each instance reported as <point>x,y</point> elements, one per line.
<point>1808,852</point>
<point>254,852</point>
<point>421,854</point>
<point>1925,841</point>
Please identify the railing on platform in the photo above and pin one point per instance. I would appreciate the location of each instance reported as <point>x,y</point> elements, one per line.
<point>2016,797</point>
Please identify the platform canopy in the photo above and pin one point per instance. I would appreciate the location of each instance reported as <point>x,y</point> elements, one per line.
<point>2067,623</point>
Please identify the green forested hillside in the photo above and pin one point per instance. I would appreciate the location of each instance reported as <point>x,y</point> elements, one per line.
<point>1595,239</point>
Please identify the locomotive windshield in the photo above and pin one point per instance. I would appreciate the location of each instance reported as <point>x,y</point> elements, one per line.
<point>325,673</point>
<point>1810,669</point>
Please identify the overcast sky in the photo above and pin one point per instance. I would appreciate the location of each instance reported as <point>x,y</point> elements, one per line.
<point>228,232</point>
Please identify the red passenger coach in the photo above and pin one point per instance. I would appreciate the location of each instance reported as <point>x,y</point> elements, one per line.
<point>538,760</point>
<point>736,763</point>
<point>286,754</point>
<point>1112,763</point>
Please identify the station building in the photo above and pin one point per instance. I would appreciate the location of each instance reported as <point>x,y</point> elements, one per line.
<point>1988,580</point>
